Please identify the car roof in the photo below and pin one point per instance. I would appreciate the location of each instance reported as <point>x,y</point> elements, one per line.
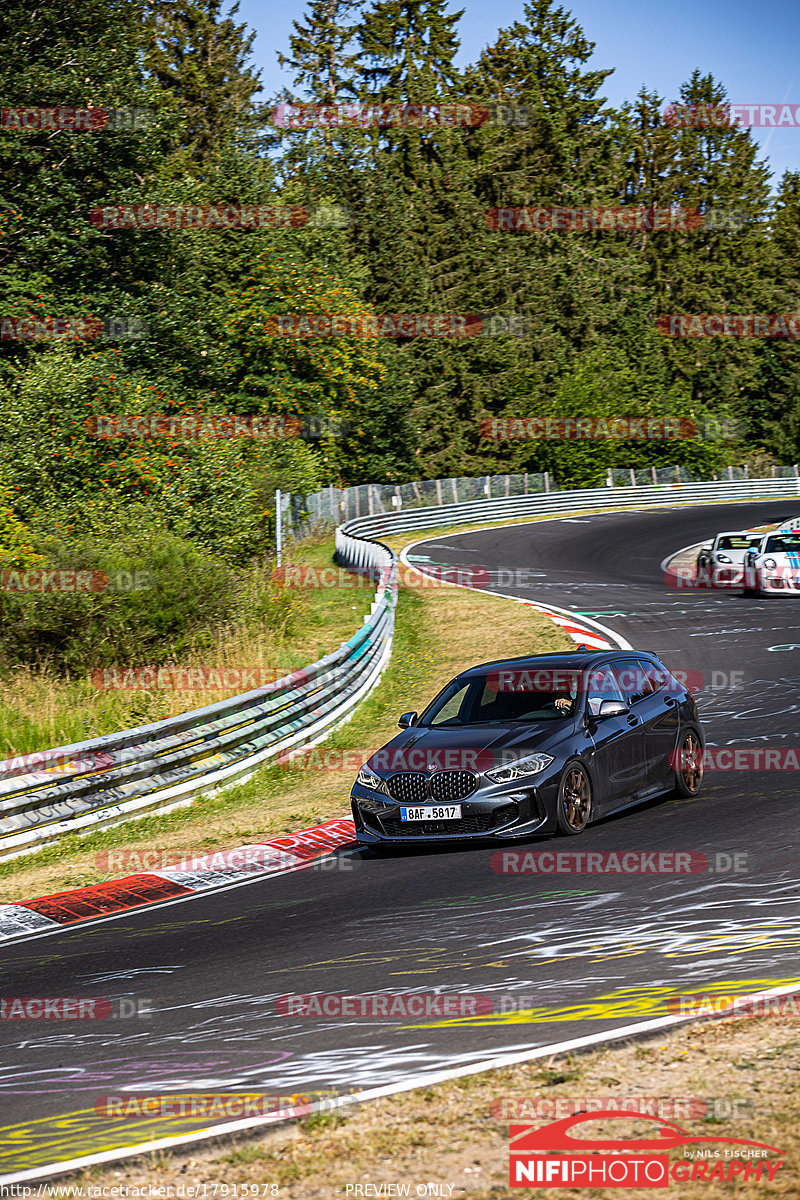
<point>573,659</point>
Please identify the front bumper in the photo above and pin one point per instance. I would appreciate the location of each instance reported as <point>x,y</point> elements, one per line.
<point>493,812</point>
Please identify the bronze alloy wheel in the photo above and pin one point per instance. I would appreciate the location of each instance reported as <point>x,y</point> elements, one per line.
<point>689,771</point>
<point>574,800</point>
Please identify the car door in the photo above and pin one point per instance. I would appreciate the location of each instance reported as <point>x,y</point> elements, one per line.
<point>618,754</point>
<point>658,712</point>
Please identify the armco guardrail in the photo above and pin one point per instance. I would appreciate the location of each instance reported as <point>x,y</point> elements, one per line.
<point>509,508</point>
<point>103,782</point>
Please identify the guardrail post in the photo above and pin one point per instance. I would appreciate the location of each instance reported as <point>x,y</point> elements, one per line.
<point>278,531</point>
<point>546,481</point>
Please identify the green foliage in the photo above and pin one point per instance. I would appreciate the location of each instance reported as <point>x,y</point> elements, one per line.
<point>140,598</point>
<point>199,58</point>
<point>417,242</point>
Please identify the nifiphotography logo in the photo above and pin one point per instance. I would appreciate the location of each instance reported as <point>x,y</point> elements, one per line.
<point>633,1162</point>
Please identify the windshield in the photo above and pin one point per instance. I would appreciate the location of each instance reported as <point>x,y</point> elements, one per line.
<point>737,541</point>
<point>502,697</point>
<point>784,543</point>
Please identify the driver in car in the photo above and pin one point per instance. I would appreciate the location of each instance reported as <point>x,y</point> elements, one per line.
<point>566,704</point>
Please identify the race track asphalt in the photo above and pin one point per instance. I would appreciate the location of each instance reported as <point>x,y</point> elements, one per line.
<point>575,953</point>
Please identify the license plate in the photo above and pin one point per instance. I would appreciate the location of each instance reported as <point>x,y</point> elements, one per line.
<point>431,812</point>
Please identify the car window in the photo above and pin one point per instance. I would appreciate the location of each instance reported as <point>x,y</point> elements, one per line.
<point>632,679</point>
<point>602,685</point>
<point>502,696</point>
<point>787,543</point>
<point>656,675</point>
<point>450,712</point>
<point>520,700</point>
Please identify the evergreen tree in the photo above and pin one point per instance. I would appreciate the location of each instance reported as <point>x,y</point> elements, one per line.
<point>323,54</point>
<point>200,58</point>
<point>781,377</point>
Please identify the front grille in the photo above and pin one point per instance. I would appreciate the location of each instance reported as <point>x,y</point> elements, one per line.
<point>484,822</point>
<point>408,787</point>
<point>443,787</point>
<point>447,786</point>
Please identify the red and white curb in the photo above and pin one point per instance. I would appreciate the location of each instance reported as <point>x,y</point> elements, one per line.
<point>242,864</point>
<point>580,634</point>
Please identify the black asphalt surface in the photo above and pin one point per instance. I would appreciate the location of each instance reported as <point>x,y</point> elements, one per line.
<point>577,953</point>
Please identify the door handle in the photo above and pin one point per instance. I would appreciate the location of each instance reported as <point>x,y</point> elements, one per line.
<point>633,720</point>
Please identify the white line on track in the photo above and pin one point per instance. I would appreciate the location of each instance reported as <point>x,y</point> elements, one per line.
<point>623,1033</point>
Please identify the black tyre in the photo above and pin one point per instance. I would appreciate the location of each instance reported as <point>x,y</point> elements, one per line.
<point>574,808</point>
<point>689,764</point>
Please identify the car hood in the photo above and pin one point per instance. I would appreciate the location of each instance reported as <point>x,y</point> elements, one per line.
<point>472,747</point>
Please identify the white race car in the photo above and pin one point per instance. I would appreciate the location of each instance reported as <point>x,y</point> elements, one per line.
<point>720,562</point>
<point>773,565</point>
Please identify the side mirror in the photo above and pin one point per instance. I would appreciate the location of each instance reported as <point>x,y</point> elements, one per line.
<point>612,708</point>
<point>406,720</point>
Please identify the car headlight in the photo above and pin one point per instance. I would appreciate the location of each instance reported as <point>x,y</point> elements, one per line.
<point>519,769</point>
<point>770,563</point>
<point>723,558</point>
<point>373,782</point>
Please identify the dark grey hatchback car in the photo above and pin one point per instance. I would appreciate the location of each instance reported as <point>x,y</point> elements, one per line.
<point>533,745</point>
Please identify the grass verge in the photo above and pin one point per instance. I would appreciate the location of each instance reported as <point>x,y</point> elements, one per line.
<point>301,624</point>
